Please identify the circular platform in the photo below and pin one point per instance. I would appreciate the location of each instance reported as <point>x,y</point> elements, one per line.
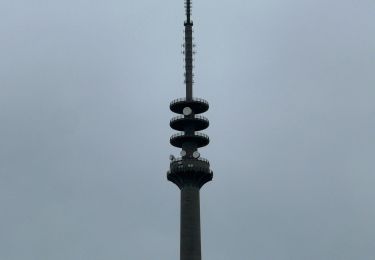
<point>198,122</point>
<point>198,105</point>
<point>199,139</point>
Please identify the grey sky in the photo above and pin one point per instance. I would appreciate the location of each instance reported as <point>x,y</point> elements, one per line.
<point>84,93</point>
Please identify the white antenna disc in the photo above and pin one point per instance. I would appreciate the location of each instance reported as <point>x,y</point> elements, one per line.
<point>187,111</point>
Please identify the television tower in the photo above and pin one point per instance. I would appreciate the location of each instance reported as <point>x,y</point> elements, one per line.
<point>189,172</point>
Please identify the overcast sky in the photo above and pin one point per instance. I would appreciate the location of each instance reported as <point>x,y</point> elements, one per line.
<point>85,88</point>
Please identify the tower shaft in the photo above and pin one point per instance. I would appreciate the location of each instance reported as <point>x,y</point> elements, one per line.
<point>189,172</point>
<point>190,247</point>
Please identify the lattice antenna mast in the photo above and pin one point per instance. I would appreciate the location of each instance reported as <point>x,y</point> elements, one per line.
<point>188,51</point>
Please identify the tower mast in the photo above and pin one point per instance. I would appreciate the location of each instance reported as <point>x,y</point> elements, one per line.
<point>189,172</point>
<point>188,51</point>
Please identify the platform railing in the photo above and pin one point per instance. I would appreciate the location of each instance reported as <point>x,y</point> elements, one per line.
<point>199,134</point>
<point>180,159</point>
<point>194,100</point>
<point>180,117</point>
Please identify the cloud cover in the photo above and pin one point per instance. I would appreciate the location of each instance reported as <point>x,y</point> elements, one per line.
<point>85,88</point>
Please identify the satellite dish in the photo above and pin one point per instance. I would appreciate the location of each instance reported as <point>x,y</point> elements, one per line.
<point>187,111</point>
<point>171,157</point>
<point>196,155</point>
<point>183,153</point>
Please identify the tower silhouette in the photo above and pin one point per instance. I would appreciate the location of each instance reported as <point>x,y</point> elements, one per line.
<point>189,172</point>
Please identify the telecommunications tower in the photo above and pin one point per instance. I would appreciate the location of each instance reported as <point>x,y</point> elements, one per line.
<point>190,171</point>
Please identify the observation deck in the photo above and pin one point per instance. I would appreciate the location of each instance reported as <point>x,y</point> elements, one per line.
<point>189,170</point>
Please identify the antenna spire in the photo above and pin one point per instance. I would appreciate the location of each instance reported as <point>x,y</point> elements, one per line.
<point>188,51</point>
<point>188,10</point>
